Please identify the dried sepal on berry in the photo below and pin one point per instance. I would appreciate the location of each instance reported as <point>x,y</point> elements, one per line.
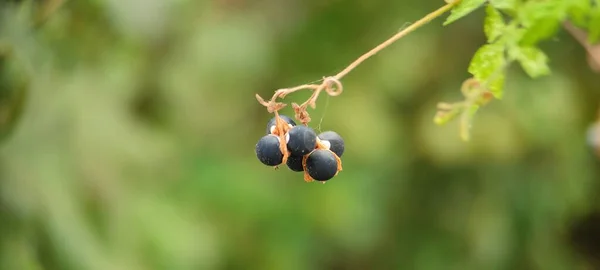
<point>339,162</point>
<point>307,177</point>
<point>281,129</point>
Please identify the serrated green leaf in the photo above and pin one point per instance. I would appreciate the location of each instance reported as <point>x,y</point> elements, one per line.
<point>533,11</point>
<point>487,66</point>
<point>486,60</point>
<point>496,84</point>
<point>513,34</point>
<point>507,5</point>
<point>463,9</point>
<point>541,29</point>
<point>533,60</point>
<point>494,23</point>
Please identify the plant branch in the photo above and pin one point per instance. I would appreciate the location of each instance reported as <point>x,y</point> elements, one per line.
<point>581,36</point>
<point>429,17</point>
<point>332,85</point>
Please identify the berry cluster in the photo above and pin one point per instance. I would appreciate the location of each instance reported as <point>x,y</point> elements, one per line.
<point>318,156</point>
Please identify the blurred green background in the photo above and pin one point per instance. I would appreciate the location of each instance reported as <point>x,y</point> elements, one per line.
<point>128,131</point>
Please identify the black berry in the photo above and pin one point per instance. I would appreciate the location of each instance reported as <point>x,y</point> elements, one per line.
<point>321,165</point>
<point>302,140</point>
<point>333,141</point>
<point>268,152</point>
<point>295,163</point>
<point>271,124</point>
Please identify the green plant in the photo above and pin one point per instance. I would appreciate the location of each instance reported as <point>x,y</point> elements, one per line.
<point>513,28</point>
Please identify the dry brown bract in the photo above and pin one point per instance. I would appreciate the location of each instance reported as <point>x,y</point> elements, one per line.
<point>331,85</point>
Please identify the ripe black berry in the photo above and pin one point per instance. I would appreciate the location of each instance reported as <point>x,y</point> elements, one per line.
<point>333,141</point>
<point>268,152</point>
<point>302,140</point>
<point>321,165</point>
<point>295,163</point>
<point>271,124</point>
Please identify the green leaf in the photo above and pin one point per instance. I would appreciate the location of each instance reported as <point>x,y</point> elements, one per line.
<point>594,27</point>
<point>487,66</point>
<point>578,11</point>
<point>533,11</point>
<point>463,9</point>
<point>513,34</point>
<point>541,29</point>
<point>506,5</point>
<point>496,84</point>
<point>533,60</point>
<point>494,23</point>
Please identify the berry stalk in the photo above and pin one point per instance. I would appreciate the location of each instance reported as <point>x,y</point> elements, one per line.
<point>332,84</point>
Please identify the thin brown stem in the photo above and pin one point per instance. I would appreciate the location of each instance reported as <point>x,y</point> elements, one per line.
<point>581,36</point>
<point>281,93</point>
<point>332,84</point>
<point>429,17</point>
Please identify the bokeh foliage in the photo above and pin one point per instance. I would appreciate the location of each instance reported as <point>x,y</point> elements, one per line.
<point>128,132</point>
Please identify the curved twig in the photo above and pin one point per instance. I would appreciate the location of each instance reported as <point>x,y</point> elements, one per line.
<point>332,85</point>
